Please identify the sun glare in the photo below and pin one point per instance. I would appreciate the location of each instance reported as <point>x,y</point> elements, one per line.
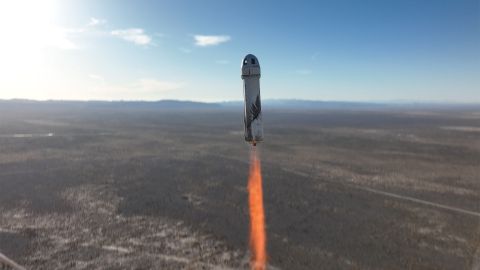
<point>27,27</point>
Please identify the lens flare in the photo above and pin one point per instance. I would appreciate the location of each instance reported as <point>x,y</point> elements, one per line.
<point>257,214</point>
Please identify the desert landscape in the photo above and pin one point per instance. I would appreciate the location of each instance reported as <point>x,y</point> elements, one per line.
<point>132,187</point>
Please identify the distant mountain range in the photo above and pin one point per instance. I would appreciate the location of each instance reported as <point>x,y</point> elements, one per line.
<point>268,103</point>
<point>308,104</point>
<point>161,104</point>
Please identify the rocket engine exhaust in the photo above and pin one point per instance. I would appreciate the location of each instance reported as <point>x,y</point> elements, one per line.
<point>258,245</point>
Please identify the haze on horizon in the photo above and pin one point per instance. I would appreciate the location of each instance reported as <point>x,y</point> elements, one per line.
<point>191,50</point>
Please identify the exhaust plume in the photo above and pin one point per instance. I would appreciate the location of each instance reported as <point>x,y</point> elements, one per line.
<point>257,214</point>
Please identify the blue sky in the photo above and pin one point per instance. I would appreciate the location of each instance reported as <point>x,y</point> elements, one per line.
<point>191,50</point>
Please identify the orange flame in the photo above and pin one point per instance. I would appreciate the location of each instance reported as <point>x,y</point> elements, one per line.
<point>257,215</point>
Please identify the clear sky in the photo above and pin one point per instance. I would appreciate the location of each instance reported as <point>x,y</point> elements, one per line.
<point>357,50</point>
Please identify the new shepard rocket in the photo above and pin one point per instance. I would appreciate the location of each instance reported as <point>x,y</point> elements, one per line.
<point>253,106</point>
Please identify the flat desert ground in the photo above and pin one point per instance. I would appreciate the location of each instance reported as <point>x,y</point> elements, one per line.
<point>123,188</point>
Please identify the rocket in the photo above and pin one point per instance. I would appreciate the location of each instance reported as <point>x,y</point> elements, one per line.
<point>252,105</point>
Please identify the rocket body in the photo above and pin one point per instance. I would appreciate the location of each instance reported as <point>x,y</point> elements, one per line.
<point>252,105</point>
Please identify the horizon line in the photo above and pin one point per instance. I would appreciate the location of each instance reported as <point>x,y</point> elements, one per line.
<point>393,102</point>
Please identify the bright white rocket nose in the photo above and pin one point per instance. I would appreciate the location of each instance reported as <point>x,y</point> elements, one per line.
<point>250,66</point>
<point>250,60</point>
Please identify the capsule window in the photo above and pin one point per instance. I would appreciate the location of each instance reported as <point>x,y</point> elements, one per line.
<point>253,61</point>
<point>245,61</point>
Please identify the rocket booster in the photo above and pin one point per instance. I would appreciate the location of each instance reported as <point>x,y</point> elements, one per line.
<point>252,106</point>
